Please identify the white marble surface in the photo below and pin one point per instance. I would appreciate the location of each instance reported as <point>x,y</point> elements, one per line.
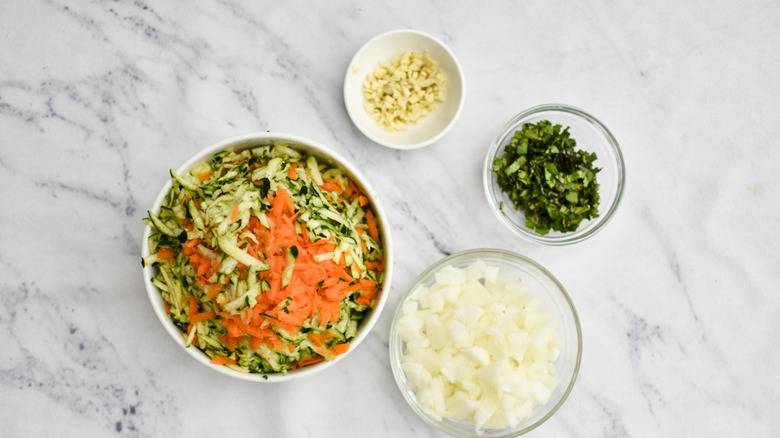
<point>678,297</point>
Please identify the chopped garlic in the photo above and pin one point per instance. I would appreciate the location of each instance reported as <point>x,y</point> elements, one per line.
<point>403,91</point>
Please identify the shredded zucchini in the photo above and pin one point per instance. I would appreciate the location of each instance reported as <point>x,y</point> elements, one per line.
<point>236,233</point>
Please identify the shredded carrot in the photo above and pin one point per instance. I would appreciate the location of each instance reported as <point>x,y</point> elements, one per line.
<point>202,316</point>
<point>193,306</point>
<point>325,351</point>
<point>332,185</point>
<point>352,191</point>
<point>223,361</point>
<point>214,290</point>
<point>376,265</point>
<point>335,350</point>
<point>229,341</point>
<point>204,266</point>
<point>255,343</point>
<point>187,224</point>
<point>307,361</point>
<point>308,292</point>
<point>341,348</point>
<point>316,339</point>
<point>190,247</point>
<point>371,222</point>
<point>165,254</point>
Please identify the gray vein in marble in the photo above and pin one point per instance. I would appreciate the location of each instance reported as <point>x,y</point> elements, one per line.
<point>289,61</point>
<point>614,427</point>
<point>81,95</point>
<point>641,336</point>
<point>84,380</point>
<point>137,20</point>
<point>55,188</point>
<point>429,235</point>
<point>13,111</point>
<point>670,254</point>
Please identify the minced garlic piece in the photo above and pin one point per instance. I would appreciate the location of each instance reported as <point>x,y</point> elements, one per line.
<point>403,91</point>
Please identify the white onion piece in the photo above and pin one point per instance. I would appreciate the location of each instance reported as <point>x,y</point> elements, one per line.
<point>478,347</point>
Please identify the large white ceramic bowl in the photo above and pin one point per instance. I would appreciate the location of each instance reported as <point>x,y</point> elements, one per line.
<point>324,155</point>
<point>384,48</point>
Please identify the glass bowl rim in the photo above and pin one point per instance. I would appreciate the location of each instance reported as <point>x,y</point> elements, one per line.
<point>616,158</point>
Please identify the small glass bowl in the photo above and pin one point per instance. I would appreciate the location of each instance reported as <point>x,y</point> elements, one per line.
<point>592,136</point>
<point>541,283</point>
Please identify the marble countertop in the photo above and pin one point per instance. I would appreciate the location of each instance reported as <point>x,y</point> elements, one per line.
<point>678,296</point>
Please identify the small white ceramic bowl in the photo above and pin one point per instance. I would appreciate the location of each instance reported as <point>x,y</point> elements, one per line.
<point>386,47</point>
<point>323,155</point>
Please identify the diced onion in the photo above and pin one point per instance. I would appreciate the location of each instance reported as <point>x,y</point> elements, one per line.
<point>478,347</point>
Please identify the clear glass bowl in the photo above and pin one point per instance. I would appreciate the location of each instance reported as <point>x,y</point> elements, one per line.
<point>592,136</point>
<point>555,299</point>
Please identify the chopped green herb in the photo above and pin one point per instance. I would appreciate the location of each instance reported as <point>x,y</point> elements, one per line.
<point>543,174</point>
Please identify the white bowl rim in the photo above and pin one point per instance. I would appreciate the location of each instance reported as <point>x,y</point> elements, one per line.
<point>461,78</point>
<point>497,253</point>
<point>239,142</point>
<point>566,238</point>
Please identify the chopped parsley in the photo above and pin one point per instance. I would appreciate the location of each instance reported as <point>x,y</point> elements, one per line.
<point>543,174</point>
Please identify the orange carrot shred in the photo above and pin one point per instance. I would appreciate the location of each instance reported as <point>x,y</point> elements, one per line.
<point>255,343</point>
<point>214,290</point>
<point>307,361</point>
<point>223,361</point>
<point>316,339</point>
<point>202,316</point>
<point>190,247</point>
<point>193,306</point>
<point>371,222</point>
<point>165,254</point>
<point>234,215</point>
<point>341,348</point>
